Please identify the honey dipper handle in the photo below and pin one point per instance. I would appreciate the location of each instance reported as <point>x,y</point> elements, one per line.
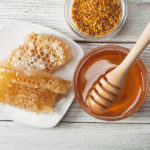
<point>117,76</point>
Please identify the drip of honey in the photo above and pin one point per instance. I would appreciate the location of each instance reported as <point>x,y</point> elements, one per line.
<point>97,65</point>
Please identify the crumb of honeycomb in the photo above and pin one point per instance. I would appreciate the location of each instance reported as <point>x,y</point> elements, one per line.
<point>31,90</point>
<point>41,51</point>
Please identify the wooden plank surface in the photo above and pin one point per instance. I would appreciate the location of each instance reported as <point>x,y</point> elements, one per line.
<point>51,13</point>
<point>78,130</point>
<point>77,136</point>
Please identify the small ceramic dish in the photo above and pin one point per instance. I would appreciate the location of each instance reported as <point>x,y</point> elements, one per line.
<point>124,108</point>
<point>69,20</point>
<point>12,34</point>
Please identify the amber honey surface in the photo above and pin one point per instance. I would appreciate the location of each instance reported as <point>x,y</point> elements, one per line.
<point>97,65</point>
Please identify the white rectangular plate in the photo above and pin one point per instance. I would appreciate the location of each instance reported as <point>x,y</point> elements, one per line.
<point>11,35</point>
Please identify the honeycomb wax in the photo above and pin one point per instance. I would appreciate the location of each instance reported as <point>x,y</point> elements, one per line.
<point>42,52</point>
<point>31,90</point>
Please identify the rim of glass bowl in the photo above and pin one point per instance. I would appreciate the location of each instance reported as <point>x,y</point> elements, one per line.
<point>129,111</point>
<point>68,17</point>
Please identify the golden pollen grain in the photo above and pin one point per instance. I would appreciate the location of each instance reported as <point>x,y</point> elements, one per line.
<point>96,17</point>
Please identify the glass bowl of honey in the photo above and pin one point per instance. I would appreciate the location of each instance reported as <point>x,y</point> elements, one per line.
<point>94,20</point>
<point>96,63</point>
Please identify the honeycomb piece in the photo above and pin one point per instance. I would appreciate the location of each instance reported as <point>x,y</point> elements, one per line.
<point>31,99</point>
<point>35,79</point>
<point>40,51</point>
<point>25,91</point>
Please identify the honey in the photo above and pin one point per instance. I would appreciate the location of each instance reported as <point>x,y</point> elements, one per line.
<point>99,63</point>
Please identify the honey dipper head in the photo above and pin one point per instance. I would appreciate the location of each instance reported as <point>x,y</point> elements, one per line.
<point>102,95</point>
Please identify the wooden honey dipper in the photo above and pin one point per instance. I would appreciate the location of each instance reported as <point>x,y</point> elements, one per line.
<point>107,88</point>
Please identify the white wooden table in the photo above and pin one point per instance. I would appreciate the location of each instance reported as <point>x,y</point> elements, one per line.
<point>78,130</point>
